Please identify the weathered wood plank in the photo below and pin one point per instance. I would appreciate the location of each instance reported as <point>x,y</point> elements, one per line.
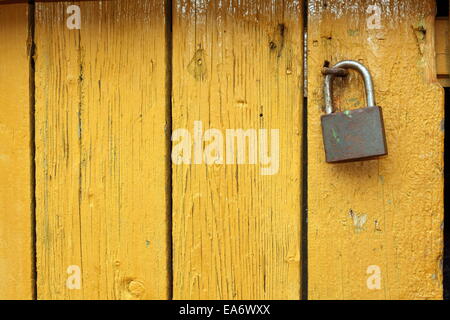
<point>102,165</point>
<point>16,188</point>
<point>442,50</point>
<point>384,215</point>
<point>236,231</point>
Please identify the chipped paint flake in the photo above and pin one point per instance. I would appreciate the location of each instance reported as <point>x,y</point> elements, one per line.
<point>359,220</point>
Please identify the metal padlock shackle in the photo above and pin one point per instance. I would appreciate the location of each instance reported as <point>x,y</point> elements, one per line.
<point>348,64</point>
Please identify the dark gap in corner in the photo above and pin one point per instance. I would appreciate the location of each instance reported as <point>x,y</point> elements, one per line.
<point>304,155</point>
<point>32,106</point>
<point>304,216</point>
<point>6,2</point>
<point>442,8</point>
<point>446,260</point>
<point>169,188</point>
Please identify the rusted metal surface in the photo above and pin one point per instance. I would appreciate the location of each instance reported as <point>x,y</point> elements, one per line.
<point>348,64</point>
<point>338,72</point>
<point>354,135</point>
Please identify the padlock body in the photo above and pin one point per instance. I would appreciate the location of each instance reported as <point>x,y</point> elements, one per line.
<point>354,135</point>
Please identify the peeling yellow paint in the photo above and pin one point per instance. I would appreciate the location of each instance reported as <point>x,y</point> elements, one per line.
<point>401,194</point>
<point>16,214</point>
<point>102,152</point>
<point>236,234</point>
<point>359,220</point>
<point>102,164</point>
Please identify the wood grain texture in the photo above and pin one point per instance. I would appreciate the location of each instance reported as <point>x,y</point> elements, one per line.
<point>442,51</point>
<point>102,164</point>
<point>236,232</point>
<point>16,207</point>
<point>387,212</point>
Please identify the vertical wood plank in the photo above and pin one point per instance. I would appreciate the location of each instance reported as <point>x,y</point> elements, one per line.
<point>16,212</point>
<point>236,232</point>
<point>442,43</point>
<point>442,48</point>
<point>385,213</point>
<point>102,165</point>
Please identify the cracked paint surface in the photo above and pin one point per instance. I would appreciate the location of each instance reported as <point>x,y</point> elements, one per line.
<point>400,196</point>
<point>101,157</point>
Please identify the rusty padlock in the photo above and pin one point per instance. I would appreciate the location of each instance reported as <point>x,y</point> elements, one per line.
<point>353,135</point>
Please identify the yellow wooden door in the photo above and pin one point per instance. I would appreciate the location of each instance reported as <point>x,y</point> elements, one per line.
<point>173,158</point>
<point>375,228</point>
<point>102,163</point>
<point>238,99</point>
<point>16,153</point>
